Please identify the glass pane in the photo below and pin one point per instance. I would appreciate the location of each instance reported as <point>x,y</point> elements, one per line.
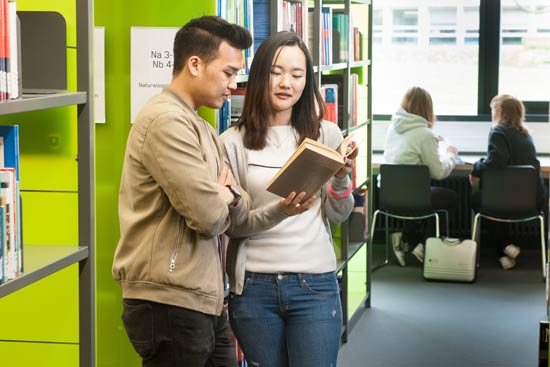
<point>525,49</point>
<point>432,44</point>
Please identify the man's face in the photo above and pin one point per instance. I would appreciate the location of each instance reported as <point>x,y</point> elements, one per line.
<point>218,77</point>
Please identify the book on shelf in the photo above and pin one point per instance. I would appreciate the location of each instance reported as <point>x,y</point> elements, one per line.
<point>329,93</point>
<point>309,168</point>
<point>237,103</point>
<point>338,80</point>
<point>9,231</point>
<point>11,199</point>
<point>13,42</point>
<point>10,138</point>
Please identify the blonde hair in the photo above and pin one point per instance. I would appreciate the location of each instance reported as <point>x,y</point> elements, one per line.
<point>419,102</point>
<point>509,111</point>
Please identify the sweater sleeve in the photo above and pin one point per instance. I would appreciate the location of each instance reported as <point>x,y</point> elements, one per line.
<point>440,167</point>
<point>336,210</point>
<point>498,154</point>
<point>259,219</point>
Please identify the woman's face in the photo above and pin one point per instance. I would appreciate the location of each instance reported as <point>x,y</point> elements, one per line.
<point>288,79</point>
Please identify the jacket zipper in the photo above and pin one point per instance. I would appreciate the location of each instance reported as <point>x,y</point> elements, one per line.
<point>176,247</point>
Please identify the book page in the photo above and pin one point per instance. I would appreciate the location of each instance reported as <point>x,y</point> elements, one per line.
<point>345,144</point>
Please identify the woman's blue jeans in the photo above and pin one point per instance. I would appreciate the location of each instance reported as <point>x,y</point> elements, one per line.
<point>288,319</point>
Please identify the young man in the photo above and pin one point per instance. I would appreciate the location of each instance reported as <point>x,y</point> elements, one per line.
<point>176,197</point>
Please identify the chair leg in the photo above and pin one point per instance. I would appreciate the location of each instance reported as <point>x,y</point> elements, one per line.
<point>446,212</point>
<point>447,222</point>
<point>373,226</point>
<point>542,246</point>
<point>474,236</point>
<point>387,243</point>
<point>437,225</point>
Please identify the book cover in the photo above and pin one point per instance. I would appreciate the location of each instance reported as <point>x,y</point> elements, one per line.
<point>309,168</point>
<point>329,92</point>
<point>7,190</point>
<point>3,243</point>
<point>10,135</point>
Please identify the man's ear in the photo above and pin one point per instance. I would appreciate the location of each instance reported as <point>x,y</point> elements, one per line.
<point>194,65</point>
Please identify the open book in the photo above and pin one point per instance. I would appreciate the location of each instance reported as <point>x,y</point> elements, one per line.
<point>309,168</point>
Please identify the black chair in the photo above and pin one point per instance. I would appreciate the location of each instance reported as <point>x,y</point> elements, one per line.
<point>405,194</point>
<point>509,195</point>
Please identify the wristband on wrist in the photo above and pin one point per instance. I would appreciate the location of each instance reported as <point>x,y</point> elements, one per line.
<point>339,196</point>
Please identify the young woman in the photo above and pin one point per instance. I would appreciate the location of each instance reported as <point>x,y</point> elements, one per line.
<point>509,144</point>
<point>410,140</point>
<point>284,307</point>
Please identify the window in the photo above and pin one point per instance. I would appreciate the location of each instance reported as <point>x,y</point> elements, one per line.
<point>463,52</point>
<point>525,51</point>
<point>432,46</point>
<point>405,26</point>
<point>442,25</point>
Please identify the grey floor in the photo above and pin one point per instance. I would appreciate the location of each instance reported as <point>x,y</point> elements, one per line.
<point>416,323</point>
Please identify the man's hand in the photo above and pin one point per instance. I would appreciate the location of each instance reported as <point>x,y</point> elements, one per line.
<point>226,178</point>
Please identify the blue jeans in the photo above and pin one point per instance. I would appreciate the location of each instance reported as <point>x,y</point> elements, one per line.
<point>168,336</point>
<point>288,319</point>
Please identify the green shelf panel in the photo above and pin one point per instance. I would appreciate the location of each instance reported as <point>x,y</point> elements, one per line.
<point>45,311</point>
<point>38,354</point>
<point>357,278</point>
<point>50,218</point>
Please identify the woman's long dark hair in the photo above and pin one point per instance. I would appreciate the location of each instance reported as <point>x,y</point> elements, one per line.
<point>308,111</point>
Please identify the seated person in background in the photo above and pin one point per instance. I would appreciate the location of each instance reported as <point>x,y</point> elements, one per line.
<point>410,140</point>
<point>509,144</point>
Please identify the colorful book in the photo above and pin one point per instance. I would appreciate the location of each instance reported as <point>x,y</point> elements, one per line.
<point>10,134</point>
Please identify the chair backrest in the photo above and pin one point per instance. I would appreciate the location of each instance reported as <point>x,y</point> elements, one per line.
<point>509,192</point>
<point>405,189</point>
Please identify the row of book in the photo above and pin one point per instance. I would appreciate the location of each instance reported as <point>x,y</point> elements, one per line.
<point>11,243</point>
<point>332,91</point>
<point>240,12</point>
<point>257,17</point>
<point>9,79</point>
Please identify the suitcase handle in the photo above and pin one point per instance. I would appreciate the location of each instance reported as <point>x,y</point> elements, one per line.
<point>452,241</point>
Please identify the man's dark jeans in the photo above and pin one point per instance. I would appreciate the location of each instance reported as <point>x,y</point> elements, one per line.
<point>168,336</point>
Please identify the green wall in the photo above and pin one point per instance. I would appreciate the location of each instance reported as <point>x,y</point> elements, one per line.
<point>113,348</point>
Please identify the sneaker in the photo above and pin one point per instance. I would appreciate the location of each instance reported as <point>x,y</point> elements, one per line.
<point>512,251</point>
<point>418,252</point>
<point>507,263</point>
<point>396,245</point>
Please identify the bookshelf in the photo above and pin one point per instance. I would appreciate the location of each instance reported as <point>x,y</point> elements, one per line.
<point>46,261</point>
<point>351,71</point>
<point>348,18</point>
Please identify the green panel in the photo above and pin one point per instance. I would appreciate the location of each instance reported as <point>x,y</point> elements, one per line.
<point>357,281</point>
<point>48,148</point>
<point>48,143</point>
<point>113,348</point>
<point>38,354</point>
<point>44,311</point>
<point>47,219</point>
<point>337,240</point>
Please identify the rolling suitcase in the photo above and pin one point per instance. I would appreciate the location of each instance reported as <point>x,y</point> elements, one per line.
<point>450,259</point>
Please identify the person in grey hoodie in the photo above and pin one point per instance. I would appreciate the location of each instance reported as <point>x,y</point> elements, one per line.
<point>411,140</point>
